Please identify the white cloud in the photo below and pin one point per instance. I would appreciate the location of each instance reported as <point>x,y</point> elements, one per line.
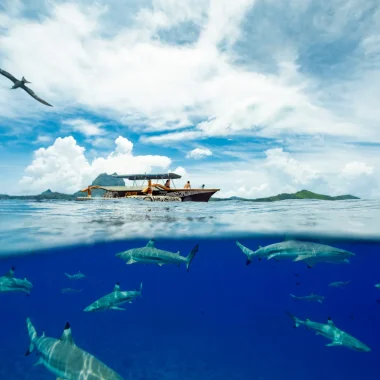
<point>63,166</point>
<point>43,139</point>
<point>199,153</point>
<point>147,83</point>
<point>355,169</point>
<point>85,127</point>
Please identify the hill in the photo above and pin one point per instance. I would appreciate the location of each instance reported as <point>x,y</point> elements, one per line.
<point>303,194</point>
<point>103,179</point>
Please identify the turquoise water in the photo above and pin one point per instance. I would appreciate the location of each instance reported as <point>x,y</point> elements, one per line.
<point>222,319</point>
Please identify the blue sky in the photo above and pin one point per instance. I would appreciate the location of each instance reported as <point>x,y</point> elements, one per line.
<point>254,97</point>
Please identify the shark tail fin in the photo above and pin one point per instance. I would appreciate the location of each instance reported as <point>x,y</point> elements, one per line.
<point>191,256</point>
<point>246,251</point>
<point>296,321</point>
<point>32,336</point>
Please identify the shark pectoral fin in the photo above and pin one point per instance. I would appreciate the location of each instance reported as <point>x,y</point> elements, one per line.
<point>302,257</point>
<point>160,264</point>
<point>131,261</point>
<point>116,308</point>
<point>333,344</point>
<point>271,256</point>
<point>39,362</point>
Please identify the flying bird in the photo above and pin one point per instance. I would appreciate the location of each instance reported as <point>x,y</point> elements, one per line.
<point>21,84</point>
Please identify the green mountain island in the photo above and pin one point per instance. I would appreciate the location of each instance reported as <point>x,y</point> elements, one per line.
<point>107,180</point>
<point>303,194</point>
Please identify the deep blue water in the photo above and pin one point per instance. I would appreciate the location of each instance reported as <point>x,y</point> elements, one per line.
<point>221,320</point>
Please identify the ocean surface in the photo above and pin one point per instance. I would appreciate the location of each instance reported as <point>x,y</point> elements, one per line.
<point>221,320</point>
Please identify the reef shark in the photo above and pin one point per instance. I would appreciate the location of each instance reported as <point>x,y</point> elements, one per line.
<point>339,284</point>
<point>65,359</point>
<point>310,298</point>
<point>76,276</point>
<point>113,300</point>
<point>9,283</point>
<point>310,253</point>
<point>150,254</point>
<point>330,331</point>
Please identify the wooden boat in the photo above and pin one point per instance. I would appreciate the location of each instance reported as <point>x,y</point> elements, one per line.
<point>151,191</point>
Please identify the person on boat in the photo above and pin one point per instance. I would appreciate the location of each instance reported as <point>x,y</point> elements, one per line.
<point>167,183</point>
<point>187,186</point>
<point>203,186</point>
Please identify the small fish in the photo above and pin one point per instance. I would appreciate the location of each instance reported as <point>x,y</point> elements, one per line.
<point>298,283</point>
<point>339,284</point>
<point>70,290</point>
<point>310,298</point>
<point>296,274</point>
<point>76,276</point>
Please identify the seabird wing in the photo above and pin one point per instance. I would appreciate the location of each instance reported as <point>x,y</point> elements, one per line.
<point>9,76</point>
<point>32,93</point>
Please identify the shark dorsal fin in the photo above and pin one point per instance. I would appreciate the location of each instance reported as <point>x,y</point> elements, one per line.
<point>260,247</point>
<point>150,243</point>
<point>66,336</point>
<point>330,322</point>
<point>116,288</point>
<point>10,273</point>
<point>178,253</point>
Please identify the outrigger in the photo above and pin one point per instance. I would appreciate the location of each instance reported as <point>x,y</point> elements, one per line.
<point>151,191</point>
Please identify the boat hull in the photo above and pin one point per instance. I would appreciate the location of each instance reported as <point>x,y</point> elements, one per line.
<point>192,195</point>
<point>185,195</point>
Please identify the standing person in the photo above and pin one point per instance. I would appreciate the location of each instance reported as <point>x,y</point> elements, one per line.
<point>167,183</point>
<point>187,186</point>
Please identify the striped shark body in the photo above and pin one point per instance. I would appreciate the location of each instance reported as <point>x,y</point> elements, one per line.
<point>66,360</point>
<point>151,255</point>
<point>114,300</point>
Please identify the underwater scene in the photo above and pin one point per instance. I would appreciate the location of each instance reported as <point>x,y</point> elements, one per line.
<point>232,307</point>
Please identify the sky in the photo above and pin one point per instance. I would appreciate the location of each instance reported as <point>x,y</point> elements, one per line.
<point>255,97</point>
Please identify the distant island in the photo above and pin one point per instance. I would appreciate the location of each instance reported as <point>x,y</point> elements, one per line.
<point>102,179</point>
<point>303,194</point>
<point>107,180</point>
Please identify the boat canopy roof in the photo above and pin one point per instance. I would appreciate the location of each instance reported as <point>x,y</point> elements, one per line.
<point>140,177</point>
